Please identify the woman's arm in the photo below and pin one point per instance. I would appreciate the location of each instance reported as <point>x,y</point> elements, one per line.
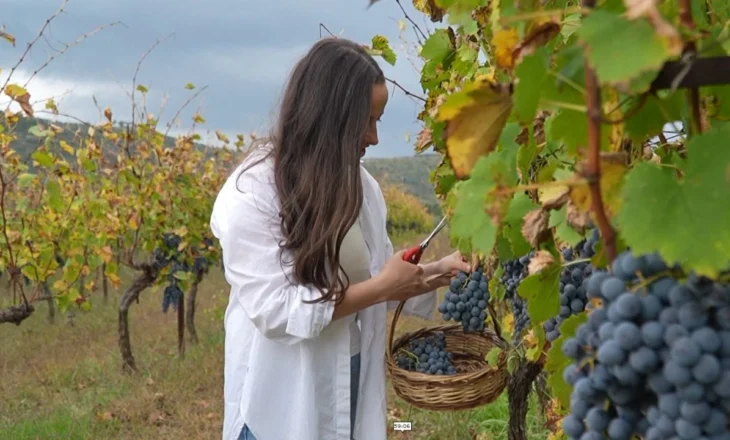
<point>246,223</point>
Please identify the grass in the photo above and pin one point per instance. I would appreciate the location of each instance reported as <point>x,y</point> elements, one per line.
<point>64,381</point>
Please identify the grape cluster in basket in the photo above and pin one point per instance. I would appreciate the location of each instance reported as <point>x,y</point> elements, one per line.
<point>427,355</point>
<point>467,300</point>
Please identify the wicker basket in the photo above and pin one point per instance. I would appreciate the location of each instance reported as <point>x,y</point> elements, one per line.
<point>476,382</point>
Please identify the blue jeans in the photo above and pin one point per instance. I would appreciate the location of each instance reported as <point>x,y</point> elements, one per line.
<point>354,388</point>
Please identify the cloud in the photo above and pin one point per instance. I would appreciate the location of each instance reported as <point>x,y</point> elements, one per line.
<point>243,50</point>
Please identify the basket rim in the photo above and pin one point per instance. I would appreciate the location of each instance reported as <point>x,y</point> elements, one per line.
<point>416,376</point>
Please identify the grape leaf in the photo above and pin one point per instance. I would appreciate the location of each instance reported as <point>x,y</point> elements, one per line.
<point>532,74</point>
<point>381,46</point>
<point>620,49</point>
<point>563,232</point>
<point>685,220</point>
<point>542,293</point>
<point>521,205</point>
<point>557,361</point>
<point>475,118</point>
<point>437,47</point>
<point>478,211</point>
<point>569,127</point>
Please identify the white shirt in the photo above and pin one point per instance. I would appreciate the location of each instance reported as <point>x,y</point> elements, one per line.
<point>287,364</point>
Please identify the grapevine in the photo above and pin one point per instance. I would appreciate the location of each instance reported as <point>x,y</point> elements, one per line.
<point>553,121</point>
<point>95,196</point>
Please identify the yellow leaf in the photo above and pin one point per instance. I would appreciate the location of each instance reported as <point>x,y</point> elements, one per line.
<point>505,41</point>
<point>106,254</point>
<point>114,279</point>
<point>51,105</point>
<point>613,168</point>
<point>66,147</point>
<point>221,137</point>
<point>14,90</point>
<point>475,118</point>
<point>132,223</point>
<point>6,36</point>
<point>198,119</point>
<point>21,96</point>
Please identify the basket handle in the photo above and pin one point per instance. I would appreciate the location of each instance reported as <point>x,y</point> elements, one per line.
<point>396,315</point>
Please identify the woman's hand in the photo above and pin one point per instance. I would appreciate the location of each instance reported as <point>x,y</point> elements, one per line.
<point>439,273</point>
<point>453,264</point>
<point>401,280</point>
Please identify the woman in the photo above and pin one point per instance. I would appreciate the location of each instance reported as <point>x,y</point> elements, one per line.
<point>304,350</point>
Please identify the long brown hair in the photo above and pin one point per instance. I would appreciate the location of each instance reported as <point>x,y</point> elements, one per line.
<point>317,143</point>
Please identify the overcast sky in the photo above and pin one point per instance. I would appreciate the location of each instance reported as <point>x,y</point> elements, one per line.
<point>242,50</point>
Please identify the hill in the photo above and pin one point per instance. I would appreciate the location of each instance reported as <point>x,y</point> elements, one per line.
<point>411,173</point>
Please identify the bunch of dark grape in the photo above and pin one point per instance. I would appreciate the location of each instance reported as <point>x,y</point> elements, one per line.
<point>201,263</point>
<point>164,257</point>
<point>427,355</point>
<point>514,271</point>
<point>654,360</point>
<point>467,301</point>
<point>573,281</point>
<point>171,297</point>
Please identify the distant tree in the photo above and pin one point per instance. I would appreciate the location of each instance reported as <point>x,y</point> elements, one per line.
<point>406,213</point>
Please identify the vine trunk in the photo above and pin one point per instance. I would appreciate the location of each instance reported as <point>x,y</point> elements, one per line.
<point>144,280</point>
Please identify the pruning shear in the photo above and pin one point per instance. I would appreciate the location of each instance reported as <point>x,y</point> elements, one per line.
<point>413,255</point>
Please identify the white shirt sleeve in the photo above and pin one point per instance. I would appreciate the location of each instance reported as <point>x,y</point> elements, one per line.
<point>247,224</point>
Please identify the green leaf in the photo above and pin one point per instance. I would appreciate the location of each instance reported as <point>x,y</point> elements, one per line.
<point>542,293</point>
<point>183,276</point>
<point>620,49</point>
<point>37,131</point>
<point>142,89</point>
<point>381,46</point>
<point>25,180</point>
<point>493,356</point>
<point>563,232</point>
<point>557,361</point>
<point>55,201</point>
<point>534,353</point>
<point>532,74</point>
<point>477,212</point>
<point>496,288</point>
<point>44,159</point>
<point>569,127</point>
<point>685,220</point>
<point>189,86</point>
<point>526,154</point>
<point>512,229</point>
<point>437,47</point>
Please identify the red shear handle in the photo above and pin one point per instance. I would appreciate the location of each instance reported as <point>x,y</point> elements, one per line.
<point>413,255</point>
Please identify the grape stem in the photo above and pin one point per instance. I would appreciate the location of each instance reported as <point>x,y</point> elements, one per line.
<point>582,260</point>
<point>592,171</point>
